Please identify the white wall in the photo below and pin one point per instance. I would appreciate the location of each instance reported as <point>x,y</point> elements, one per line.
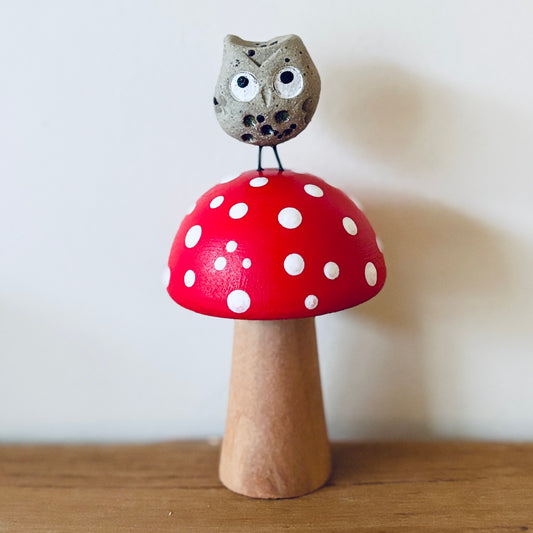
<point>107,135</point>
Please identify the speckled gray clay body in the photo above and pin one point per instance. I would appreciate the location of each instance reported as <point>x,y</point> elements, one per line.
<point>267,92</point>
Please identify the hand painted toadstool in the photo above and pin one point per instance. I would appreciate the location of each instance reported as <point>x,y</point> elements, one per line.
<point>273,250</point>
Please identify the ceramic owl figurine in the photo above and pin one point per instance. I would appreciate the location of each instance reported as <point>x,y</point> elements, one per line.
<point>267,92</point>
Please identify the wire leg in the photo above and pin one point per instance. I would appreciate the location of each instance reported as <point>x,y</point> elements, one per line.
<point>275,148</point>
<point>259,167</point>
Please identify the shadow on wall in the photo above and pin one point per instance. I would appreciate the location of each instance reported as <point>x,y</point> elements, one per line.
<point>442,266</point>
<point>392,115</point>
<point>431,133</point>
<point>445,269</point>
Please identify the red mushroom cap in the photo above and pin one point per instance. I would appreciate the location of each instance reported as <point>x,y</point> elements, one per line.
<point>270,245</point>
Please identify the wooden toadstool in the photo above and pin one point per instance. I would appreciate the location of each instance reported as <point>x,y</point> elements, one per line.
<point>273,250</point>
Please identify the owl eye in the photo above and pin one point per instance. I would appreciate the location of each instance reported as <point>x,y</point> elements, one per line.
<point>289,82</point>
<point>244,86</point>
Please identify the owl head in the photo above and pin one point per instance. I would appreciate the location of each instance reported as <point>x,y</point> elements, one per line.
<point>267,92</point>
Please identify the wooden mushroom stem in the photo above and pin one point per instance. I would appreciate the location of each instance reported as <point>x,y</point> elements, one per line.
<point>275,444</point>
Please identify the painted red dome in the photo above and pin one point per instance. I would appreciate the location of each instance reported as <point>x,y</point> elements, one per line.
<point>274,244</point>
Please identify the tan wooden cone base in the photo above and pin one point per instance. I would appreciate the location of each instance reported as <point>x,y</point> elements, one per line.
<point>276,443</point>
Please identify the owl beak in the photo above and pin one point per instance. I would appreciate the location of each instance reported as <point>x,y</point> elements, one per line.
<point>266,95</point>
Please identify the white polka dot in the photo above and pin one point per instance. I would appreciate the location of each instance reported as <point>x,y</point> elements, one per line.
<point>191,209</point>
<point>349,225</point>
<point>379,243</point>
<point>165,278</point>
<point>259,182</point>
<point>231,246</point>
<point>193,236</point>
<point>216,202</point>
<point>331,270</point>
<point>238,210</point>
<point>290,218</point>
<point>311,301</point>
<point>357,203</point>
<point>313,190</point>
<point>294,264</point>
<point>238,301</point>
<point>246,263</point>
<point>220,263</point>
<point>371,274</point>
<point>189,278</point>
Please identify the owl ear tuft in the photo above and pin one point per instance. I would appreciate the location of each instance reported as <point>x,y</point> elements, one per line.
<point>233,40</point>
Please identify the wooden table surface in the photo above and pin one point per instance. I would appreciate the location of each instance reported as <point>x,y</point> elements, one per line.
<point>383,487</point>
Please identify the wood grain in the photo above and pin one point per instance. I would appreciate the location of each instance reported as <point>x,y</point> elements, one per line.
<point>275,442</point>
<point>385,487</point>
